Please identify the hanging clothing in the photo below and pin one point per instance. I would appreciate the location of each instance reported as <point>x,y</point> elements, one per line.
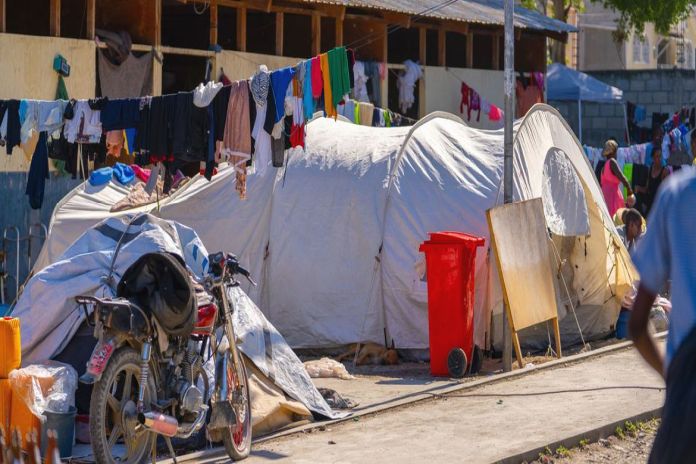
<point>407,84</point>
<point>360,86</point>
<point>260,83</point>
<point>38,173</point>
<point>114,143</point>
<point>317,78</point>
<point>307,97</point>
<point>85,124</point>
<point>372,70</point>
<point>366,110</point>
<point>120,114</point>
<point>262,141</point>
<point>495,114</point>
<point>237,139</point>
<point>527,97</point>
<point>340,79</point>
<point>464,89</point>
<point>280,80</point>
<point>10,129</point>
<point>131,78</point>
<point>329,105</point>
<point>611,188</point>
<point>474,105</point>
<point>350,54</point>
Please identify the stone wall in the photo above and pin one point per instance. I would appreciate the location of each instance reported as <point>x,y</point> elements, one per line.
<point>659,91</point>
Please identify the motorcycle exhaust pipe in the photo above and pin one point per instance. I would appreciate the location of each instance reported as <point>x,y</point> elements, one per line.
<point>159,423</point>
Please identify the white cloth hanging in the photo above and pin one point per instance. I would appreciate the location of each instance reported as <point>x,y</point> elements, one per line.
<point>407,84</point>
<point>360,87</point>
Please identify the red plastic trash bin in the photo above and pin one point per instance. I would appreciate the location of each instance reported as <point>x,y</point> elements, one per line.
<point>450,264</point>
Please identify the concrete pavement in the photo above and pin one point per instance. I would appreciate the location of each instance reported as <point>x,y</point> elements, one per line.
<point>485,424</point>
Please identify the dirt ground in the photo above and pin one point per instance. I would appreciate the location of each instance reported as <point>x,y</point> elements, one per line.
<point>631,445</point>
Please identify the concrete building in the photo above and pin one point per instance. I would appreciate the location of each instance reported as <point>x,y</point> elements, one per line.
<point>596,49</point>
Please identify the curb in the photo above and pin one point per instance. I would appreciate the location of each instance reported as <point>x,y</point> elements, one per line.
<point>431,394</point>
<point>592,436</point>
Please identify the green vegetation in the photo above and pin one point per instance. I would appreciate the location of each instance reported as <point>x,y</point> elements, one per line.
<point>562,452</point>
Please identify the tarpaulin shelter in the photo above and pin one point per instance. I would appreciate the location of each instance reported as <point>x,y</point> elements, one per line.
<point>333,237</point>
<point>565,84</point>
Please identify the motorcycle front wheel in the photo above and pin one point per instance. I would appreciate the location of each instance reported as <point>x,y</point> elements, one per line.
<point>116,434</point>
<point>237,437</point>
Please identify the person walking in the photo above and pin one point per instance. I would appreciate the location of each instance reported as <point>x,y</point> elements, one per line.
<point>667,252</point>
<point>611,181</point>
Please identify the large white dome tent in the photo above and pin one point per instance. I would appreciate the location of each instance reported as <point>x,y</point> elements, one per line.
<point>333,237</point>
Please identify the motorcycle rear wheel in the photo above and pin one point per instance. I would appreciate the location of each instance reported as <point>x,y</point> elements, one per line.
<point>237,437</point>
<point>112,418</point>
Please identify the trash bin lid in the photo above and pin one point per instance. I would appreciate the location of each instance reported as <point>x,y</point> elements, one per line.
<point>448,237</point>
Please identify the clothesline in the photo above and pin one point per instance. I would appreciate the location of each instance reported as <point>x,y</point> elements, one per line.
<point>243,122</point>
<point>472,100</point>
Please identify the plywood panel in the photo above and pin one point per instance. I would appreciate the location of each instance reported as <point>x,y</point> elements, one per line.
<point>519,237</point>
<point>368,38</point>
<point>240,65</point>
<point>27,64</point>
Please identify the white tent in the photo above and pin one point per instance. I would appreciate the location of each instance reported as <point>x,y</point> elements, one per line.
<point>333,238</point>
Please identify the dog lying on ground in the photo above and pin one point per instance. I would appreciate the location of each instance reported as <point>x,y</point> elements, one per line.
<point>370,353</point>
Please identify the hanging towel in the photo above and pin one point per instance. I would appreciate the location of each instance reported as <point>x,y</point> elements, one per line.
<point>329,106</point>
<point>340,79</point>
<point>366,110</point>
<point>317,78</point>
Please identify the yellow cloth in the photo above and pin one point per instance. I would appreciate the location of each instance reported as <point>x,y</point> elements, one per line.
<point>326,75</point>
<point>11,343</point>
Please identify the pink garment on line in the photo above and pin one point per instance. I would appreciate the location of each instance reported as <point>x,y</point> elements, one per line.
<point>611,188</point>
<point>495,114</point>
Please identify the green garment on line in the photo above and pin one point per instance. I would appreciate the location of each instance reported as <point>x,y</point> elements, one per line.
<point>340,77</point>
<point>61,94</point>
<point>628,172</point>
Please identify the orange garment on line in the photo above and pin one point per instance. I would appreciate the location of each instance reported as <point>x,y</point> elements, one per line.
<point>328,100</point>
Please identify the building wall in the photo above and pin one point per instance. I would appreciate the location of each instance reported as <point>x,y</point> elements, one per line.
<point>659,91</point>
<point>442,91</point>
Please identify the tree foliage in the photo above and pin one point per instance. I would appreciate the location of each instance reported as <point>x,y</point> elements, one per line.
<point>636,13</point>
<point>633,14</point>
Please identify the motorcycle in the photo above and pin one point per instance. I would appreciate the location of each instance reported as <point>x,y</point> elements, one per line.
<point>148,382</point>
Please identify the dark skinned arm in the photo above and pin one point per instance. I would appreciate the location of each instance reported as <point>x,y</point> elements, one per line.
<point>616,170</point>
<point>638,329</point>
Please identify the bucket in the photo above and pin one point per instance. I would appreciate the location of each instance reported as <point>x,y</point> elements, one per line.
<point>64,425</point>
<point>622,324</point>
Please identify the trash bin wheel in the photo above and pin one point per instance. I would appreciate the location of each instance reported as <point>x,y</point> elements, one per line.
<point>457,363</point>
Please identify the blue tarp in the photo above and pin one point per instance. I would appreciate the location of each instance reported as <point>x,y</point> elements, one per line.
<point>567,84</point>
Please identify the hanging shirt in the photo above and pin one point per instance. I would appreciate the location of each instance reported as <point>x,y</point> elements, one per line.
<point>85,125</point>
<point>280,79</point>
<point>262,141</point>
<point>10,128</point>
<point>38,173</point>
<point>317,78</point>
<point>360,88</point>
<point>407,84</point>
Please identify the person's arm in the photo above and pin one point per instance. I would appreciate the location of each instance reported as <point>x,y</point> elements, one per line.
<point>616,170</point>
<point>638,329</point>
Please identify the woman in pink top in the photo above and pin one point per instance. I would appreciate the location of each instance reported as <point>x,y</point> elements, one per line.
<point>611,181</point>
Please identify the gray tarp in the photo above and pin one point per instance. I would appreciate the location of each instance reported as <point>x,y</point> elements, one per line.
<point>50,317</point>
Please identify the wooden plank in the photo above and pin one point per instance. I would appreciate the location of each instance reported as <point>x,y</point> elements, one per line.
<point>557,333</point>
<point>158,23</point>
<point>241,29</point>
<point>186,51</point>
<point>55,18</point>
<point>279,33</point>
<point>213,22</point>
<point>3,14</point>
<point>339,32</point>
<point>399,19</point>
<point>496,52</point>
<point>518,349</point>
<point>91,18</point>
<point>316,34</point>
<point>470,50</point>
<point>441,47</point>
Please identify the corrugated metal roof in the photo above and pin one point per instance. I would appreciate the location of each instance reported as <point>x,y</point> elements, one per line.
<point>470,11</point>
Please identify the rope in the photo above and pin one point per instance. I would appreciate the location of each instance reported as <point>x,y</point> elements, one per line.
<point>557,254</point>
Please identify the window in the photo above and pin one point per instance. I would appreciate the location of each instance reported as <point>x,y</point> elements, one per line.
<point>646,50</point>
<point>637,49</point>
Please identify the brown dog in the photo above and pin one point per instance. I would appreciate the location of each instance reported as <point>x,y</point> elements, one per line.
<point>370,353</point>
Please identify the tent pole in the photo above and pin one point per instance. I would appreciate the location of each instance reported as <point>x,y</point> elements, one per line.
<point>628,135</point>
<point>580,120</point>
<point>507,160</point>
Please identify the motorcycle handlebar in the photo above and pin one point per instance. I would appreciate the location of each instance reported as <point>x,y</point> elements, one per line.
<point>231,264</point>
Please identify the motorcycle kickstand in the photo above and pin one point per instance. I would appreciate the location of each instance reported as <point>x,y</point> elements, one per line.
<point>168,441</point>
